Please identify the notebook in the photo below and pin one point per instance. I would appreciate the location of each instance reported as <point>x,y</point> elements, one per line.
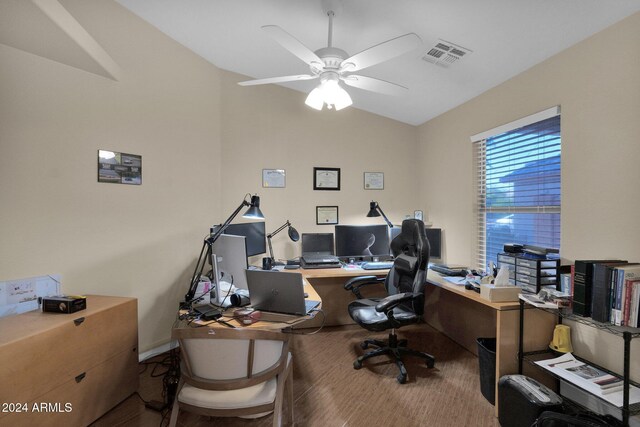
<point>278,292</point>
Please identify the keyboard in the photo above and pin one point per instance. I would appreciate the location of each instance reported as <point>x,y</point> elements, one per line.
<point>447,271</point>
<point>377,265</point>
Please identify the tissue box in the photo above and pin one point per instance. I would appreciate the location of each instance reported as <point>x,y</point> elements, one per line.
<point>500,293</point>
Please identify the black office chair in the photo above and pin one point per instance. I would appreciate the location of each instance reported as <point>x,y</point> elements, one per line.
<point>405,285</point>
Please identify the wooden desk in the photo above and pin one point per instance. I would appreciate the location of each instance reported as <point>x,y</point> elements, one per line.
<point>272,322</point>
<point>451,309</point>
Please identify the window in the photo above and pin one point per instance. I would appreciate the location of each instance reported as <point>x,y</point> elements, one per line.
<point>518,185</point>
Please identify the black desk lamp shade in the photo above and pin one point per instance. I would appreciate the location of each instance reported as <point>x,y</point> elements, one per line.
<point>375,210</point>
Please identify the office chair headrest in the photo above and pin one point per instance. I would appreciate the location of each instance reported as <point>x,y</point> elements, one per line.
<point>412,241</point>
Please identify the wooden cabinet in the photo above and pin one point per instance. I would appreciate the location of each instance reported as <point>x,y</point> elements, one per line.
<point>68,369</point>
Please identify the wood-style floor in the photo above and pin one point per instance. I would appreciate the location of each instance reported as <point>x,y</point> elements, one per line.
<point>329,392</point>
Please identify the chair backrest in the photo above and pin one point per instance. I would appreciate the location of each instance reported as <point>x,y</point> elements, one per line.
<point>409,272</point>
<point>227,359</point>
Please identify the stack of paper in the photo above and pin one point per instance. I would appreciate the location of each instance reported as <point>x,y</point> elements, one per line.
<point>602,384</point>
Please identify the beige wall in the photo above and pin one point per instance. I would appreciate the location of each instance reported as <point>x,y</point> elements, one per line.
<point>597,84</point>
<point>270,127</point>
<point>110,239</point>
<point>204,142</point>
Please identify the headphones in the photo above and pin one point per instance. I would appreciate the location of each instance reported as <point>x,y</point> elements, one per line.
<point>247,316</point>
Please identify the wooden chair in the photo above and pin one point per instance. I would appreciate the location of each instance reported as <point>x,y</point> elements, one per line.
<point>233,373</point>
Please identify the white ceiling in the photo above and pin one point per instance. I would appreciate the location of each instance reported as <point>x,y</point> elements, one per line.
<point>506,37</point>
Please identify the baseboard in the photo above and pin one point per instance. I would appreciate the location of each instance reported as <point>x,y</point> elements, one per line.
<point>157,350</point>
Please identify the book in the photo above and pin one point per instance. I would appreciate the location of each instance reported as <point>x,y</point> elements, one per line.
<point>634,303</point>
<point>601,292</point>
<point>582,285</point>
<point>630,272</point>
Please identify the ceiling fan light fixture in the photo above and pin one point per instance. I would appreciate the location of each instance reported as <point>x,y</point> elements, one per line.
<point>315,99</point>
<point>329,92</point>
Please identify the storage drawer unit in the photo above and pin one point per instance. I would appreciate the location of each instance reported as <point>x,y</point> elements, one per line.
<point>531,274</point>
<point>87,359</point>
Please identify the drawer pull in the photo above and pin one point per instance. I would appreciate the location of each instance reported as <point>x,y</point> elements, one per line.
<point>81,377</point>
<point>78,321</point>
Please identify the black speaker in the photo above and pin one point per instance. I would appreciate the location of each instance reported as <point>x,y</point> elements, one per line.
<point>522,399</point>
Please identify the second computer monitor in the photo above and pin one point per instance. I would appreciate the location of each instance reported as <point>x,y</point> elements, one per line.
<point>434,235</point>
<point>317,243</point>
<point>362,241</point>
<point>231,253</point>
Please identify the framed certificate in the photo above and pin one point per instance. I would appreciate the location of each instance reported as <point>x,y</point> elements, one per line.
<point>326,215</point>
<point>326,179</point>
<point>273,178</point>
<point>374,180</point>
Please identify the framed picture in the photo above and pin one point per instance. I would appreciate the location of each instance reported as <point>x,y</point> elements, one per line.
<point>374,180</point>
<point>326,179</point>
<point>326,215</point>
<point>274,178</point>
<point>119,168</point>
<point>418,215</point>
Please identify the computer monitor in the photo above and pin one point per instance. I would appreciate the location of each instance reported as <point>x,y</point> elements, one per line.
<point>434,235</point>
<point>255,234</point>
<point>362,240</point>
<point>317,243</point>
<point>231,255</point>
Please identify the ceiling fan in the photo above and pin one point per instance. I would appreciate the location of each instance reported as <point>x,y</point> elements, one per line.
<point>332,65</point>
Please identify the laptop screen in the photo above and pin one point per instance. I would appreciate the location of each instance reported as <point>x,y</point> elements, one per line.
<point>317,243</point>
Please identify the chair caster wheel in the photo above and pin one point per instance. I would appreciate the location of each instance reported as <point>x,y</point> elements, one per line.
<point>401,379</point>
<point>364,345</point>
<point>431,364</point>
<point>357,364</point>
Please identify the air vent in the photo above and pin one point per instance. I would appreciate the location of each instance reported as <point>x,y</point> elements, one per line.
<point>445,53</point>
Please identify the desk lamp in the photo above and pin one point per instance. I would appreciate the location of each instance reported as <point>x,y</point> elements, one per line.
<point>293,235</point>
<point>374,210</point>
<point>253,212</point>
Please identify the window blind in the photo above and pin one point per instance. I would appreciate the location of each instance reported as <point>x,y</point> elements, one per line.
<point>518,188</point>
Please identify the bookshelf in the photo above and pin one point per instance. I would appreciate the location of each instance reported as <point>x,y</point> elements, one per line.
<point>626,333</point>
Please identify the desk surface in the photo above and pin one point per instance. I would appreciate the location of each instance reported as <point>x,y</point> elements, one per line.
<point>273,321</point>
<point>432,277</point>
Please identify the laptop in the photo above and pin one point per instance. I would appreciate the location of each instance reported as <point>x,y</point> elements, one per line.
<point>278,292</point>
<point>317,249</point>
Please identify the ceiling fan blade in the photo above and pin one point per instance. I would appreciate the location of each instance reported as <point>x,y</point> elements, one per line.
<point>381,52</point>
<point>292,44</point>
<point>277,80</point>
<point>374,85</point>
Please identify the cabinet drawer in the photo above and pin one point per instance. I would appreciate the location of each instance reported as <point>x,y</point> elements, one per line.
<point>82,401</point>
<point>532,280</point>
<point>532,263</point>
<point>533,272</point>
<point>506,258</point>
<point>532,288</point>
<point>41,361</point>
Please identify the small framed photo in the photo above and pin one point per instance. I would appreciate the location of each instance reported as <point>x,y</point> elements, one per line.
<point>374,180</point>
<point>326,215</point>
<point>119,168</point>
<point>273,178</point>
<point>418,215</point>
<point>326,179</point>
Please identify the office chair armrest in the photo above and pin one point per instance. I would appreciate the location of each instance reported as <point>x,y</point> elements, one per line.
<point>356,283</point>
<point>391,301</point>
